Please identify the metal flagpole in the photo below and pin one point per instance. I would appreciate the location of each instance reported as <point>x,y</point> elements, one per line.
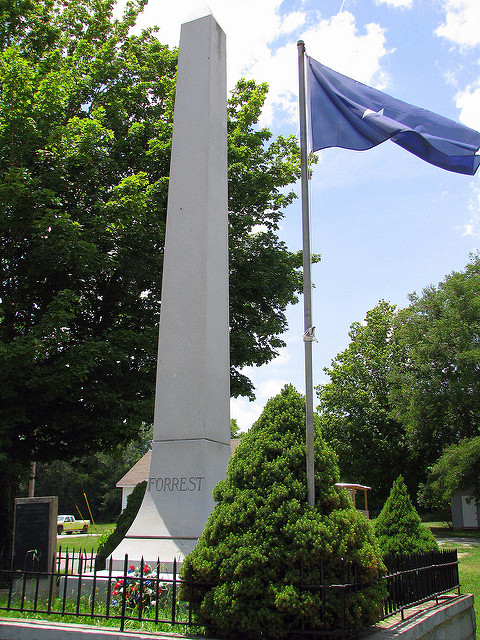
<point>308,336</point>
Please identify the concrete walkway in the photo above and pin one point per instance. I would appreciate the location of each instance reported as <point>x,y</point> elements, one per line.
<point>468,542</point>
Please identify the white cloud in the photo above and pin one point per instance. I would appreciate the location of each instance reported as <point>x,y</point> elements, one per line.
<point>396,4</point>
<point>271,387</point>
<point>468,101</point>
<point>461,26</point>
<point>469,228</point>
<point>462,21</point>
<point>247,39</point>
<point>265,48</point>
<point>259,228</point>
<point>337,43</point>
<point>245,412</point>
<point>472,227</point>
<point>451,77</point>
<point>282,358</point>
<point>321,381</point>
<point>292,21</point>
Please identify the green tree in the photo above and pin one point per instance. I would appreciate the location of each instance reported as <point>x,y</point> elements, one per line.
<point>457,468</point>
<point>86,114</point>
<point>399,528</point>
<point>95,475</point>
<point>234,428</point>
<point>81,190</point>
<point>262,530</point>
<point>264,276</point>
<point>355,408</point>
<point>436,385</point>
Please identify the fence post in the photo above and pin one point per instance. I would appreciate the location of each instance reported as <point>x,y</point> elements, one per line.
<point>79,581</point>
<point>94,588</point>
<point>140,601</point>
<point>190,592</point>
<point>436,580</point>
<point>457,578</point>
<point>124,593</point>
<point>37,586</point>
<point>343,588</point>
<point>109,587</point>
<point>24,586</point>
<point>50,589</point>
<point>157,590</point>
<point>174,592</point>
<point>67,560</point>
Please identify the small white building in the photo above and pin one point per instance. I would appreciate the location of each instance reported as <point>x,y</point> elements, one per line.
<point>465,510</point>
<point>140,470</point>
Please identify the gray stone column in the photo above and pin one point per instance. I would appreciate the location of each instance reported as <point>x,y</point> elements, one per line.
<point>191,425</point>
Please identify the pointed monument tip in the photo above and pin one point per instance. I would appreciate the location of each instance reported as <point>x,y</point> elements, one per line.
<point>201,12</point>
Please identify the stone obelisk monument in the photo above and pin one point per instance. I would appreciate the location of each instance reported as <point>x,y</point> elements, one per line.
<point>191,438</point>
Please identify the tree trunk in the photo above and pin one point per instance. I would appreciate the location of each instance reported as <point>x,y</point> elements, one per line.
<point>8,486</point>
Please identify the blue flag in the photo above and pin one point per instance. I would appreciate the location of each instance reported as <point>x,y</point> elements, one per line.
<point>345,113</point>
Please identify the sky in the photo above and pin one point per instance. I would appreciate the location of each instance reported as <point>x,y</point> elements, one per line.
<point>386,223</point>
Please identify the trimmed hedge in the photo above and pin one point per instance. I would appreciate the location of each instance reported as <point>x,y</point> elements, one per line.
<point>262,530</point>
<point>399,527</point>
<point>124,522</point>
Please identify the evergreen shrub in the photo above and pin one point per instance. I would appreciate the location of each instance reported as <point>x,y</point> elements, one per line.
<point>399,528</point>
<point>262,530</point>
<point>124,522</point>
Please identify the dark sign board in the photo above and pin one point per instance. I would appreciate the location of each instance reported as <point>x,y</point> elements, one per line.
<point>31,536</point>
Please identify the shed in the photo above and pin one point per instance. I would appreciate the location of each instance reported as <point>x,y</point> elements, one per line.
<point>140,470</point>
<point>352,490</point>
<point>465,510</point>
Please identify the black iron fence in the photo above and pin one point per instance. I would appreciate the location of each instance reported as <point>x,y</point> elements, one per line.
<point>69,561</point>
<point>74,587</point>
<point>416,578</point>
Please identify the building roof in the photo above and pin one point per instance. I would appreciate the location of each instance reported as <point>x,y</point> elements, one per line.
<point>350,485</point>
<point>139,471</point>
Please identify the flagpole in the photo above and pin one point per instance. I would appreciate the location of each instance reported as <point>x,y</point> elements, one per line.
<point>308,335</point>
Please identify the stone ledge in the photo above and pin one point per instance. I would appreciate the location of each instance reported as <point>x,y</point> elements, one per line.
<point>18,629</point>
<point>453,619</point>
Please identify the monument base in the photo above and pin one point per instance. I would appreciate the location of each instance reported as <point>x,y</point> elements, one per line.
<point>152,550</point>
<point>177,502</point>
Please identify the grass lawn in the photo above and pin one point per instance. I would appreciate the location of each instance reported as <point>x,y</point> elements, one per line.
<point>469,568</point>
<point>468,556</point>
<point>87,543</point>
<point>443,530</point>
